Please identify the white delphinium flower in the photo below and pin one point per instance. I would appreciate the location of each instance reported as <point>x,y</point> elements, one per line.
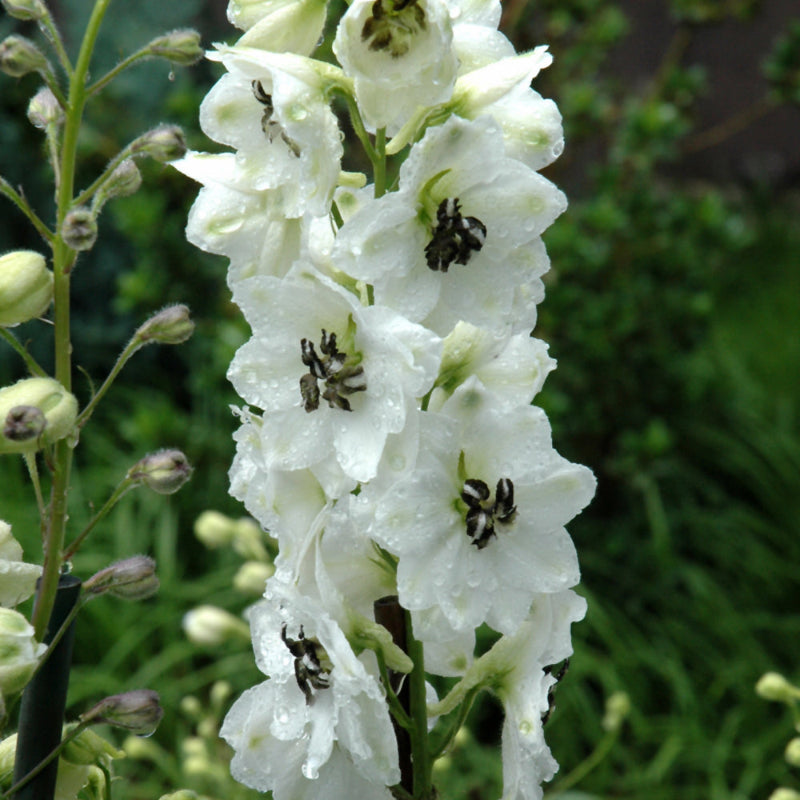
<point>274,109</point>
<point>283,26</point>
<point>17,577</point>
<point>460,239</point>
<point>478,526</point>
<point>400,55</point>
<point>476,40</point>
<point>319,726</point>
<point>332,377</point>
<point>513,368</point>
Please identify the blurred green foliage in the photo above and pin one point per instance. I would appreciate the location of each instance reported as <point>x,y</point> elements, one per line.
<point>672,308</point>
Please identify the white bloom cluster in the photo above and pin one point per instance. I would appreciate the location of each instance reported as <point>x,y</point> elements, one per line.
<point>388,439</point>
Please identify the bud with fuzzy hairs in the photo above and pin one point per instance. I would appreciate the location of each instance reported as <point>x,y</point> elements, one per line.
<point>171,325</point>
<point>44,110</point>
<point>164,143</point>
<point>138,711</point>
<point>181,47</point>
<point>31,10</point>
<point>19,56</point>
<point>130,579</point>
<point>79,229</point>
<point>164,471</point>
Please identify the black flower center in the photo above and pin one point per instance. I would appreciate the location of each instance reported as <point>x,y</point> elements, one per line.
<point>272,127</point>
<point>483,513</point>
<point>312,667</point>
<point>341,375</point>
<point>392,26</point>
<point>455,237</point>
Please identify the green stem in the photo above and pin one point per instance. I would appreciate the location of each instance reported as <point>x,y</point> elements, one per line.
<point>358,125</point>
<point>112,73</point>
<point>22,204</point>
<point>50,30</point>
<point>124,485</point>
<point>82,601</point>
<point>379,164</point>
<point>123,359</point>
<point>454,725</point>
<point>585,767</point>
<point>29,360</point>
<point>395,707</point>
<point>63,259</point>
<point>74,733</point>
<point>30,463</point>
<point>419,716</point>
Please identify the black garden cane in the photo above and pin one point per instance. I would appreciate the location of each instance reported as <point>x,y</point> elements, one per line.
<point>41,713</point>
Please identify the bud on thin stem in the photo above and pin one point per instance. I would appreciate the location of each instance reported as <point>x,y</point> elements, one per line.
<point>138,711</point>
<point>164,143</point>
<point>44,109</point>
<point>34,10</point>
<point>164,471</point>
<point>181,47</point>
<point>130,579</point>
<point>171,325</point>
<point>79,230</point>
<point>19,56</point>
<point>124,180</point>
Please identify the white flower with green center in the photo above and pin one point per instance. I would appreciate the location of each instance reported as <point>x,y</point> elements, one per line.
<point>333,378</point>
<point>400,55</point>
<point>478,526</point>
<point>319,726</point>
<point>274,109</point>
<point>460,239</point>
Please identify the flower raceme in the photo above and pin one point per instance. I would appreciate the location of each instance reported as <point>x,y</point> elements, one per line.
<point>388,440</point>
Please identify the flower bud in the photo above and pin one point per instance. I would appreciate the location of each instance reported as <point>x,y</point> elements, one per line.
<point>79,230</point>
<point>181,794</point>
<point>792,752</point>
<point>219,694</point>
<point>164,143</point>
<point>125,180</point>
<point>210,626</point>
<point>214,529</point>
<point>130,579</point>
<point>181,47</point>
<point>773,686</point>
<point>164,471</point>
<point>19,651</point>
<point>171,325</point>
<point>252,577</point>
<point>281,26</point>
<point>19,56</point>
<point>248,539</point>
<point>618,706</point>
<point>44,110</point>
<point>88,747</point>
<point>25,9</point>
<point>782,793</point>
<point>23,423</point>
<point>59,407</point>
<point>138,711</point>
<point>26,287</point>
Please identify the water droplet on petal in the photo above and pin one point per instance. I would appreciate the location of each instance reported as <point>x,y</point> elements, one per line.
<point>309,771</point>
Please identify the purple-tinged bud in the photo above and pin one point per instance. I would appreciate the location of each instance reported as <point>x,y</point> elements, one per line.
<point>44,110</point>
<point>26,287</point>
<point>79,230</point>
<point>171,325</point>
<point>125,180</point>
<point>130,579</point>
<point>181,47</point>
<point>25,9</point>
<point>164,471</point>
<point>19,56</point>
<point>138,711</point>
<point>164,143</point>
<point>23,423</point>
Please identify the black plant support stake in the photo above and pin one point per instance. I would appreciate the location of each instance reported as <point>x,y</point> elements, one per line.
<point>41,713</point>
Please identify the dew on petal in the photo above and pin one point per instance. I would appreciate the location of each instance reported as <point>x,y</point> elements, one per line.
<point>309,771</point>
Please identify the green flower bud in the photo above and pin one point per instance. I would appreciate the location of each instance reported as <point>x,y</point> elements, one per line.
<point>19,56</point>
<point>248,540</point>
<point>44,110</point>
<point>618,706</point>
<point>88,748</point>
<point>773,686</point>
<point>79,230</point>
<point>164,143</point>
<point>59,407</point>
<point>23,423</point>
<point>181,47</point>
<point>125,180</point>
<point>210,626</point>
<point>214,529</point>
<point>792,752</point>
<point>782,793</point>
<point>138,711</point>
<point>164,471</point>
<point>171,325</point>
<point>25,9</point>
<point>130,579</point>
<point>19,651</point>
<point>181,794</point>
<point>252,577</point>
<point>26,287</point>
<point>220,693</point>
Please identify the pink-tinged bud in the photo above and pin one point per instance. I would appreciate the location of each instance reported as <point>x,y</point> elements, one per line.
<point>23,423</point>
<point>25,9</point>
<point>130,579</point>
<point>138,711</point>
<point>79,230</point>
<point>44,110</point>
<point>171,325</point>
<point>26,287</point>
<point>19,56</point>
<point>164,143</point>
<point>164,471</point>
<point>181,47</point>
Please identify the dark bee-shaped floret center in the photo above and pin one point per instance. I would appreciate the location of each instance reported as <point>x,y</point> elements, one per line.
<point>312,668</point>
<point>455,238</point>
<point>272,127</point>
<point>483,513</point>
<point>340,378</point>
<point>391,29</point>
